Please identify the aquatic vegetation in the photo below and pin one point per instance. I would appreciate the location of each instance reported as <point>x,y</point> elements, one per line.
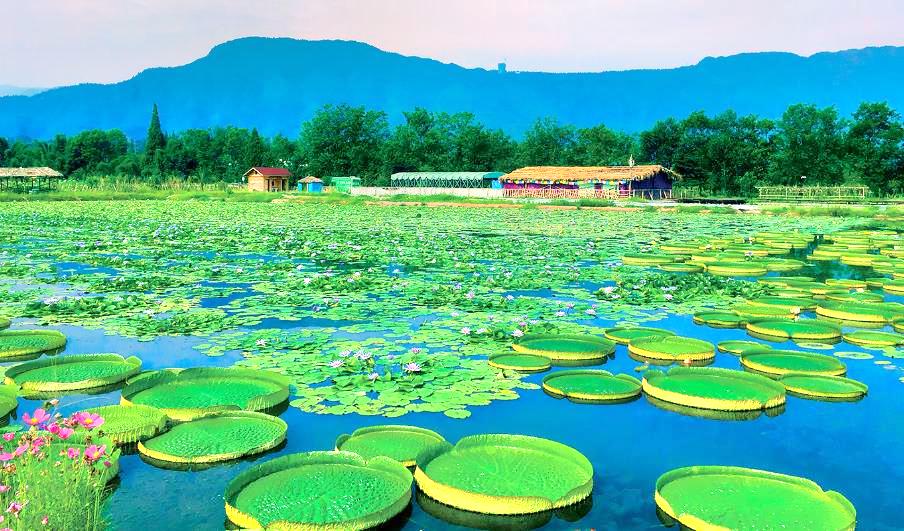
<point>738,347</point>
<point>782,362</point>
<point>520,362</point>
<point>78,372</point>
<point>649,288</point>
<point>725,497</point>
<point>4,322</point>
<point>129,424</point>
<point>504,474</point>
<point>8,400</point>
<point>398,442</point>
<point>720,319</point>
<point>323,490</point>
<point>216,437</point>
<point>623,335</point>
<point>561,347</point>
<point>714,388</point>
<point>806,329</point>
<point>672,349</point>
<point>871,338</point>
<point>22,344</point>
<point>591,385</point>
<point>191,393</point>
<point>823,387</point>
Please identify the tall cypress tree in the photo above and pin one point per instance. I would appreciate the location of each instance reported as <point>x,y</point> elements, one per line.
<point>155,139</point>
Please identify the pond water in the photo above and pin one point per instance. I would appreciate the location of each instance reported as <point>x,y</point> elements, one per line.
<point>852,447</point>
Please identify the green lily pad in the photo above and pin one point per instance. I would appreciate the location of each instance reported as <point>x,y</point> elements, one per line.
<point>788,303</point>
<point>737,269</point>
<point>78,372</point>
<point>591,385</point>
<point>318,490</point>
<point>401,443</point>
<point>860,311</point>
<point>823,387</point>
<point>4,322</point>
<point>504,474</point>
<point>719,319</point>
<point>18,344</point>
<point>872,338</point>
<point>216,437</point>
<point>130,424</point>
<point>680,268</point>
<point>854,355</point>
<point>672,348</point>
<point>724,497</point>
<point>565,347</point>
<point>647,259</point>
<point>714,388</point>
<point>806,329</point>
<point>739,346</point>
<point>8,399</point>
<point>781,362</point>
<point>625,334</point>
<point>520,362</point>
<point>191,393</point>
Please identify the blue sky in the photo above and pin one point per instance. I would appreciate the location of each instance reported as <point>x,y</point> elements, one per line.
<point>56,42</point>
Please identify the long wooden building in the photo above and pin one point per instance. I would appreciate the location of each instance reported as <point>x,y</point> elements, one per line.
<point>24,179</point>
<point>646,180</point>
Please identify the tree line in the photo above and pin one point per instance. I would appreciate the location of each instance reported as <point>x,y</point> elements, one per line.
<point>721,154</point>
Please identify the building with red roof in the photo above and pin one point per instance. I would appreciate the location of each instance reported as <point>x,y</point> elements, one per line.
<point>263,179</point>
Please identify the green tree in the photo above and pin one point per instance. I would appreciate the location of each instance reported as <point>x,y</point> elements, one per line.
<point>548,143</point>
<point>344,140</point>
<point>601,146</point>
<point>155,139</point>
<point>809,147</point>
<point>875,143</point>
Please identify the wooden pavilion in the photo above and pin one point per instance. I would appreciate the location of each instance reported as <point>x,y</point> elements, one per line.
<point>264,179</point>
<point>651,181</point>
<point>27,179</point>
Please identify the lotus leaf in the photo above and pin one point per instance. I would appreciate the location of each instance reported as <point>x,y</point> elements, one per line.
<point>781,362</point>
<point>714,388</point>
<point>398,442</point>
<point>591,385</point>
<point>72,373</point>
<point>17,344</point>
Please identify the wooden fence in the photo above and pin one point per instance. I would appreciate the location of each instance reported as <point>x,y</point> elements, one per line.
<point>585,193</point>
<point>813,193</point>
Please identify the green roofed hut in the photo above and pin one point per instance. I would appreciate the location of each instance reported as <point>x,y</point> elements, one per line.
<point>446,179</point>
<point>344,184</point>
<point>27,179</point>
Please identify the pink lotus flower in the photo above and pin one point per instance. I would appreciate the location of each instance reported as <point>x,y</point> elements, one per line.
<point>95,452</point>
<point>88,420</point>
<point>9,436</point>
<point>38,417</point>
<point>72,453</point>
<point>65,433</point>
<point>412,367</point>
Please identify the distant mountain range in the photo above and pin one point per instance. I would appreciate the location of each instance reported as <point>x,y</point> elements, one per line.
<point>12,90</point>
<point>275,84</point>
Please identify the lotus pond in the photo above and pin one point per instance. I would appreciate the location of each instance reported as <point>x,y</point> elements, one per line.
<point>379,315</point>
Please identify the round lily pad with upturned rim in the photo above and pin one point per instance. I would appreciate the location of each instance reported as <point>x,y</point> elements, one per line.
<point>855,296</point>
<point>781,362</point>
<point>672,348</point>
<point>72,373</point>
<point>216,437</point>
<point>823,387</point>
<point>17,344</point>
<point>789,303</point>
<point>714,388</point>
<point>504,474</point>
<point>401,443</point>
<point>591,385</point>
<point>130,424</point>
<point>726,497</point>
<point>625,334</point>
<point>4,322</point>
<point>565,347</point>
<point>808,329</point>
<point>736,269</point>
<point>191,393</point>
<point>516,361</point>
<point>871,338</point>
<point>860,311</point>
<point>318,490</point>
<point>719,319</point>
<point>680,268</point>
<point>752,312</point>
<point>8,399</point>
<point>740,346</point>
<point>647,259</point>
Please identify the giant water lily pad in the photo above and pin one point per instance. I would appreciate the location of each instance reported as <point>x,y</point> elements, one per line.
<point>216,437</point>
<point>806,329</point>
<point>781,362</point>
<point>18,344</point>
<point>648,259</point>
<point>724,497</point>
<point>714,388</point>
<point>789,303</point>
<point>565,347</point>
<point>739,346</point>
<point>673,348</point>
<point>72,373</point>
<point>401,443</point>
<point>719,319</point>
<point>860,311</point>
<point>318,490</point>
<point>823,387</point>
<point>737,269</point>
<point>870,338</point>
<point>8,400</point>
<point>591,385</point>
<point>520,362</point>
<point>504,474</point>
<point>4,322</point>
<point>130,424</point>
<point>625,334</point>
<point>190,393</point>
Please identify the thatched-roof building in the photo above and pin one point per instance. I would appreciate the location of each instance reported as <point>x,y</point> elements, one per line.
<point>445,179</point>
<point>650,180</point>
<point>310,184</point>
<point>42,178</point>
<point>264,179</point>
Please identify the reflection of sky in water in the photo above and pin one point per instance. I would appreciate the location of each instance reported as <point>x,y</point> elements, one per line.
<point>849,447</point>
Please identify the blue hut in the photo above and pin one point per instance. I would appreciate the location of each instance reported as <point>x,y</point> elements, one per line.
<point>310,184</point>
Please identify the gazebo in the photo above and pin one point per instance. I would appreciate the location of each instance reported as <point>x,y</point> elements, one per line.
<point>264,179</point>
<point>21,179</point>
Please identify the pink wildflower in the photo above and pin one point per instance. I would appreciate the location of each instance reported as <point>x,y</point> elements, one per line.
<point>107,464</point>
<point>72,453</point>
<point>45,520</point>
<point>54,428</point>
<point>14,508</point>
<point>9,436</point>
<point>6,456</point>
<point>65,433</point>
<point>95,452</point>
<point>38,417</point>
<point>4,488</point>
<point>88,420</point>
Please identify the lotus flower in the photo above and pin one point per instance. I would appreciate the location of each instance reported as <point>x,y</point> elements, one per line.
<point>335,364</point>
<point>95,452</point>
<point>38,417</point>
<point>517,332</point>
<point>88,420</point>
<point>373,376</point>
<point>415,350</point>
<point>466,331</point>
<point>412,367</point>
<point>668,296</point>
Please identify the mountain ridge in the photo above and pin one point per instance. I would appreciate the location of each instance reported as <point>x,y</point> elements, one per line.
<point>275,84</point>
